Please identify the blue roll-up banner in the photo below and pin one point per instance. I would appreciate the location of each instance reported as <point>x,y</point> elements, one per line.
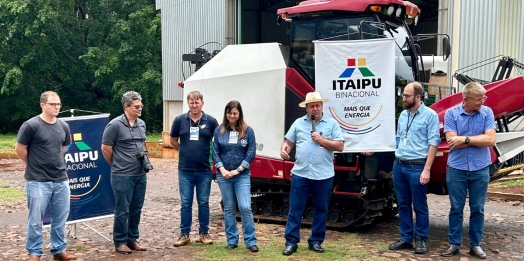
<point>89,174</point>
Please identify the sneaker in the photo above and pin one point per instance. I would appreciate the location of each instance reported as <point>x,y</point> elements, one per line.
<point>477,252</point>
<point>400,244</point>
<point>206,239</point>
<point>420,246</point>
<point>182,241</point>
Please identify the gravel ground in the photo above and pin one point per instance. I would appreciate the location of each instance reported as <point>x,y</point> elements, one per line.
<point>503,238</point>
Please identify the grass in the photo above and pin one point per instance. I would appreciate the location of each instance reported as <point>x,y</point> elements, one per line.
<point>81,246</point>
<point>9,194</point>
<point>7,141</point>
<point>346,247</point>
<point>154,137</point>
<point>508,183</point>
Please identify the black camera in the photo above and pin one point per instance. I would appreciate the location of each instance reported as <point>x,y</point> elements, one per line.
<point>145,161</point>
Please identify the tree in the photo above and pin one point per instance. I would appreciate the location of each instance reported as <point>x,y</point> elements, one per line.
<point>88,52</point>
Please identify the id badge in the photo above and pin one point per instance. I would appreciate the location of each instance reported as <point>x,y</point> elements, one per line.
<point>233,137</point>
<point>405,142</point>
<point>193,133</point>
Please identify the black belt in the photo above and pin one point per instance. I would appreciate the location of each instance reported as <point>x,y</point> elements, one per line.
<point>412,162</point>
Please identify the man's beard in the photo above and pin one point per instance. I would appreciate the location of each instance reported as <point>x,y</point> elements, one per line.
<point>408,105</point>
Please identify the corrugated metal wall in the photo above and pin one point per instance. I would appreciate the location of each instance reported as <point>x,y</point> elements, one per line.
<point>489,28</point>
<point>521,45</point>
<point>509,24</point>
<point>478,35</point>
<point>187,24</point>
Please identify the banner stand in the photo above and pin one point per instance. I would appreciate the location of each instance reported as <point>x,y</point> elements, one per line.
<point>89,174</point>
<point>71,225</point>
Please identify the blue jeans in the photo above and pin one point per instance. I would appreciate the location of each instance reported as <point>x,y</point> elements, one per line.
<point>129,193</point>
<point>237,189</point>
<point>459,182</point>
<point>188,180</point>
<point>411,196</point>
<point>40,195</point>
<point>320,191</point>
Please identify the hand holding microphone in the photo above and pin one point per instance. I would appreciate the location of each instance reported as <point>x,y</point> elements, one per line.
<point>316,137</point>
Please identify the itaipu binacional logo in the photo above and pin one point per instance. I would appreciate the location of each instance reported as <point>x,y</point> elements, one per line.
<point>80,156</point>
<point>350,85</point>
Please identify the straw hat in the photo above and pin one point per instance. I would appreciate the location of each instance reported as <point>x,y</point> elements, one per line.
<point>312,97</point>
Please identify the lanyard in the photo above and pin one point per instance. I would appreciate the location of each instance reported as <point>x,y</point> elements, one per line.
<point>408,124</point>
<point>191,121</point>
<point>131,131</point>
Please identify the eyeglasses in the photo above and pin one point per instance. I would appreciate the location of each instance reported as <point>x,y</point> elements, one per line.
<point>55,104</point>
<point>136,106</point>
<point>407,96</point>
<point>483,99</point>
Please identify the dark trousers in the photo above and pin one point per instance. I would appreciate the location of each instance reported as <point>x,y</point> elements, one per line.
<point>411,197</point>
<point>129,192</point>
<point>320,191</point>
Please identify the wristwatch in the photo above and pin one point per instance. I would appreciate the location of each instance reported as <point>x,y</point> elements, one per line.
<point>239,170</point>
<point>467,140</point>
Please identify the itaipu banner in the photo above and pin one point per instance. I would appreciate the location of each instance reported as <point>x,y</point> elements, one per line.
<point>358,79</point>
<point>89,174</point>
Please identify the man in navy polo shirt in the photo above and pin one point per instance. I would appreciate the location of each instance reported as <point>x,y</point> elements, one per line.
<point>470,130</point>
<point>191,135</point>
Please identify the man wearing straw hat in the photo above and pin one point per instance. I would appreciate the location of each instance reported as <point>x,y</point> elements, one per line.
<point>317,136</point>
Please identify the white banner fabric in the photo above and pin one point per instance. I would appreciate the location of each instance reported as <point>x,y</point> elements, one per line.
<point>358,78</point>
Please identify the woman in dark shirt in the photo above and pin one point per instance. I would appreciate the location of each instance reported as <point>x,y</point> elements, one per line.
<point>233,151</point>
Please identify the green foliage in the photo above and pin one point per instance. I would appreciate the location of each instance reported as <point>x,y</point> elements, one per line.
<point>89,52</point>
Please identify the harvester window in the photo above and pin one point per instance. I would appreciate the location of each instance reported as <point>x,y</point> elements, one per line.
<point>353,28</point>
<point>302,51</point>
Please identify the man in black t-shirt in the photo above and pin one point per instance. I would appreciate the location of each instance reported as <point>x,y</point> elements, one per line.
<point>41,143</point>
<point>191,135</point>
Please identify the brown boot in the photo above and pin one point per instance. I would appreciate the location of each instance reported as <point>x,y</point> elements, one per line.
<point>182,241</point>
<point>136,246</point>
<point>123,249</point>
<point>206,239</point>
<point>64,256</point>
<point>34,258</point>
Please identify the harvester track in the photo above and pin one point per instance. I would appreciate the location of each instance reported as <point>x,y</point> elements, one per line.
<point>357,213</point>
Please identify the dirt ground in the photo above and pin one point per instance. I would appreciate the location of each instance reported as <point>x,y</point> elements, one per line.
<point>503,237</point>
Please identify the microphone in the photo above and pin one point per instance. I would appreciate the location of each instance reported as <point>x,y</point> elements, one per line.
<point>313,124</point>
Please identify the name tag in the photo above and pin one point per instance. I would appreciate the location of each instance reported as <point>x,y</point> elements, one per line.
<point>405,143</point>
<point>233,137</point>
<point>193,133</point>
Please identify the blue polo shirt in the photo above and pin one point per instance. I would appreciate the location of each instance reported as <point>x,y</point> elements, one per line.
<point>194,155</point>
<point>457,120</point>
<point>312,161</point>
<point>421,131</point>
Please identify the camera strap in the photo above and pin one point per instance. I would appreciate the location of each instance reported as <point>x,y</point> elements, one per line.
<point>131,131</point>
